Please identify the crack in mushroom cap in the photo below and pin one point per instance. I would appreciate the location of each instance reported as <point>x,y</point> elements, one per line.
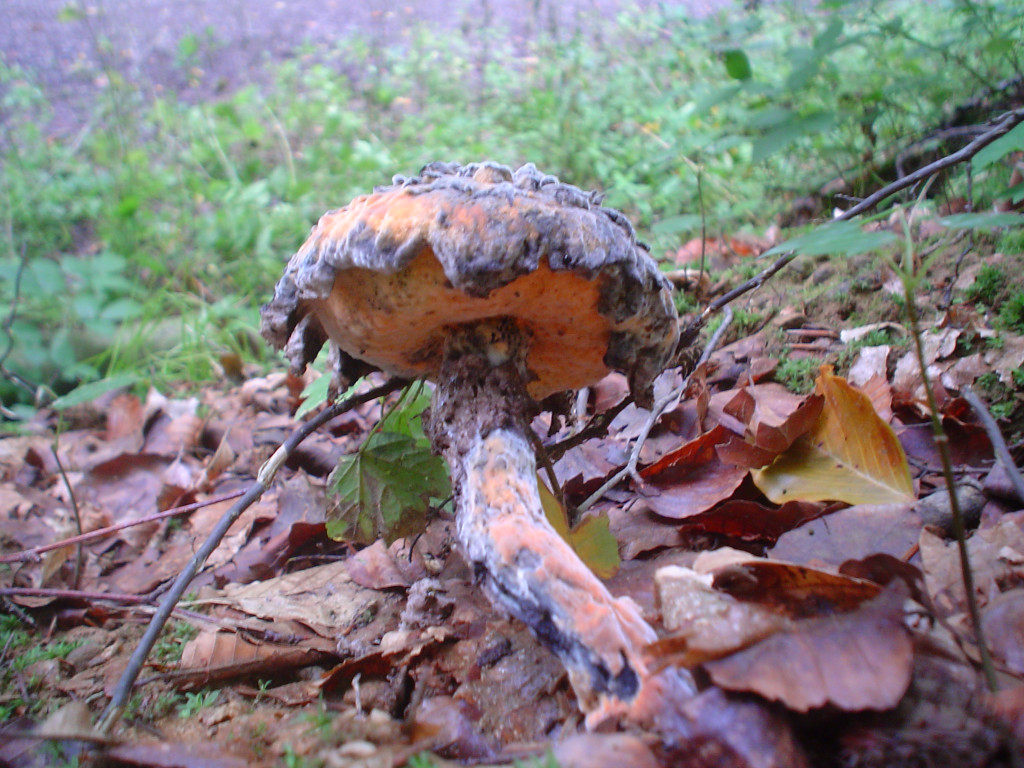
<point>385,276</point>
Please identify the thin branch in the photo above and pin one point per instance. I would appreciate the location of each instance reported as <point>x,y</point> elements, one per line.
<point>76,581</point>
<point>942,444</point>
<point>659,408</point>
<point>998,443</point>
<point>596,427</point>
<point>265,477</point>
<point>100,533</point>
<point>1001,126</point>
<point>73,594</point>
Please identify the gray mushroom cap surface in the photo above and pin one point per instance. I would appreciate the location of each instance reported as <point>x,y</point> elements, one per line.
<point>384,278</point>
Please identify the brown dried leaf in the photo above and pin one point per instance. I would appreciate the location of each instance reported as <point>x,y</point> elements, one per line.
<point>750,521</point>
<point>705,623</point>
<point>691,479</point>
<point>996,555</point>
<point>604,750</point>
<point>854,532</point>
<point>793,590</point>
<point>850,455</point>
<point>218,655</point>
<point>855,661</point>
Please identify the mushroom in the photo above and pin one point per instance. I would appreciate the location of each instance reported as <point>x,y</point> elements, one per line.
<point>503,288</point>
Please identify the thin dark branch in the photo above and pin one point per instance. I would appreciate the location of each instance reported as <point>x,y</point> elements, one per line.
<point>596,427</point>
<point>123,690</point>
<point>995,436</point>
<point>1000,127</point>
<point>73,594</point>
<point>76,582</point>
<point>99,533</point>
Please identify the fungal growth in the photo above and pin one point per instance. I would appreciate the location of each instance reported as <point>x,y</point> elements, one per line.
<point>503,288</point>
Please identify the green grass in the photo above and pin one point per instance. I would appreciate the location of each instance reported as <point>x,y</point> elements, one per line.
<point>20,651</point>
<point>164,226</point>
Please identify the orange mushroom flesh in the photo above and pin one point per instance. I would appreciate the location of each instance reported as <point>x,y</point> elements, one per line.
<point>502,288</point>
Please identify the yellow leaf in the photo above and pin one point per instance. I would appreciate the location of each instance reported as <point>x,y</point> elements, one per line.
<point>590,539</point>
<point>849,455</point>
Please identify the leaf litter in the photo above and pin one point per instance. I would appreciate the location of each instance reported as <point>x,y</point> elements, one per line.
<point>371,651</point>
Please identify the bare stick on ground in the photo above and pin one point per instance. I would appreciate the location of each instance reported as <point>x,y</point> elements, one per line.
<point>123,690</point>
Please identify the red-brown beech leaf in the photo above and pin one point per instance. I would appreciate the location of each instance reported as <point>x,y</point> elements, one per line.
<point>750,521</point>
<point>794,590</point>
<point>691,479</point>
<point>773,417</point>
<point>849,455</point>
<point>855,661</point>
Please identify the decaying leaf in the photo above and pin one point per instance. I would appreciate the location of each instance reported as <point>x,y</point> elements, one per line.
<point>854,532</point>
<point>591,538</point>
<point>802,636</point>
<point>217,655</point>
<point>849,455</point>
<point>703,622</point>
<point>997,559</point>
<point>749,521</point>
<point>858,660</point>
<point>692,478</point>
<point>384,489</point>
<point>793,590</point>
<point>773,419</point>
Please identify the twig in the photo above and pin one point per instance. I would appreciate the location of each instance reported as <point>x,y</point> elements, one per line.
<point>265,477</point>
<point>99,533</point>
<point>72,594</point>
<point>942,444</point>
<point>1002,125</point>
<point>659,408</point>
<point>596,427</point>
<point>76,581</point>
<point>996,438</point>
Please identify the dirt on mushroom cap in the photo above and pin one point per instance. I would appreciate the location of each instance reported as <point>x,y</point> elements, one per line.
<point>385,275</point>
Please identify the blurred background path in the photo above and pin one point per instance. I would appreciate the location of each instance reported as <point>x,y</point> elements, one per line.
<point>200,47</point>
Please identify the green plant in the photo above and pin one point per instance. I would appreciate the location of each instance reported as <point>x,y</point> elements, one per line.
<point>798,375</point>
<point>172,641</point>
<point>1011,313</point>
<point>385,488</point>
<point>195,702</point>
<point>988,284</point>
<point>167,223</point>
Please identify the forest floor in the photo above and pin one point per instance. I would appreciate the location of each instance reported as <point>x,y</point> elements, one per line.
<point>292,649</point>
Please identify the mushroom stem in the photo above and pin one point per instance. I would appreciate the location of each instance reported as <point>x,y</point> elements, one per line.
<point>478,421</point>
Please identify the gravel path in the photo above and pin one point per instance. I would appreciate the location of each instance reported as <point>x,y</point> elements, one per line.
<point>68,50</point>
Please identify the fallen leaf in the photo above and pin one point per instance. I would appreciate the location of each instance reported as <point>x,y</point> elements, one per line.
<point>1003,622</point>
<point>603,750</point>
<point>996,555</point>
<point>591,538</point>
<point>850,455</point>
<point>704,623</point>
<point>219,655</point>
<point>852,533</point>
<point>857,660</point>
<point>751,521</point>
<point>692,478</point>
<point>793,590</point>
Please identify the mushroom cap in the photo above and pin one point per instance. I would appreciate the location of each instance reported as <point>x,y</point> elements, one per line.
<point>385,277</point>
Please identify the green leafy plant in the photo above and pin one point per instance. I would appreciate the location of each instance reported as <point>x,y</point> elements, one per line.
<point>798,375</point>
<point>385,488</point>
<point>196,702</point>
<point>172,641</point>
